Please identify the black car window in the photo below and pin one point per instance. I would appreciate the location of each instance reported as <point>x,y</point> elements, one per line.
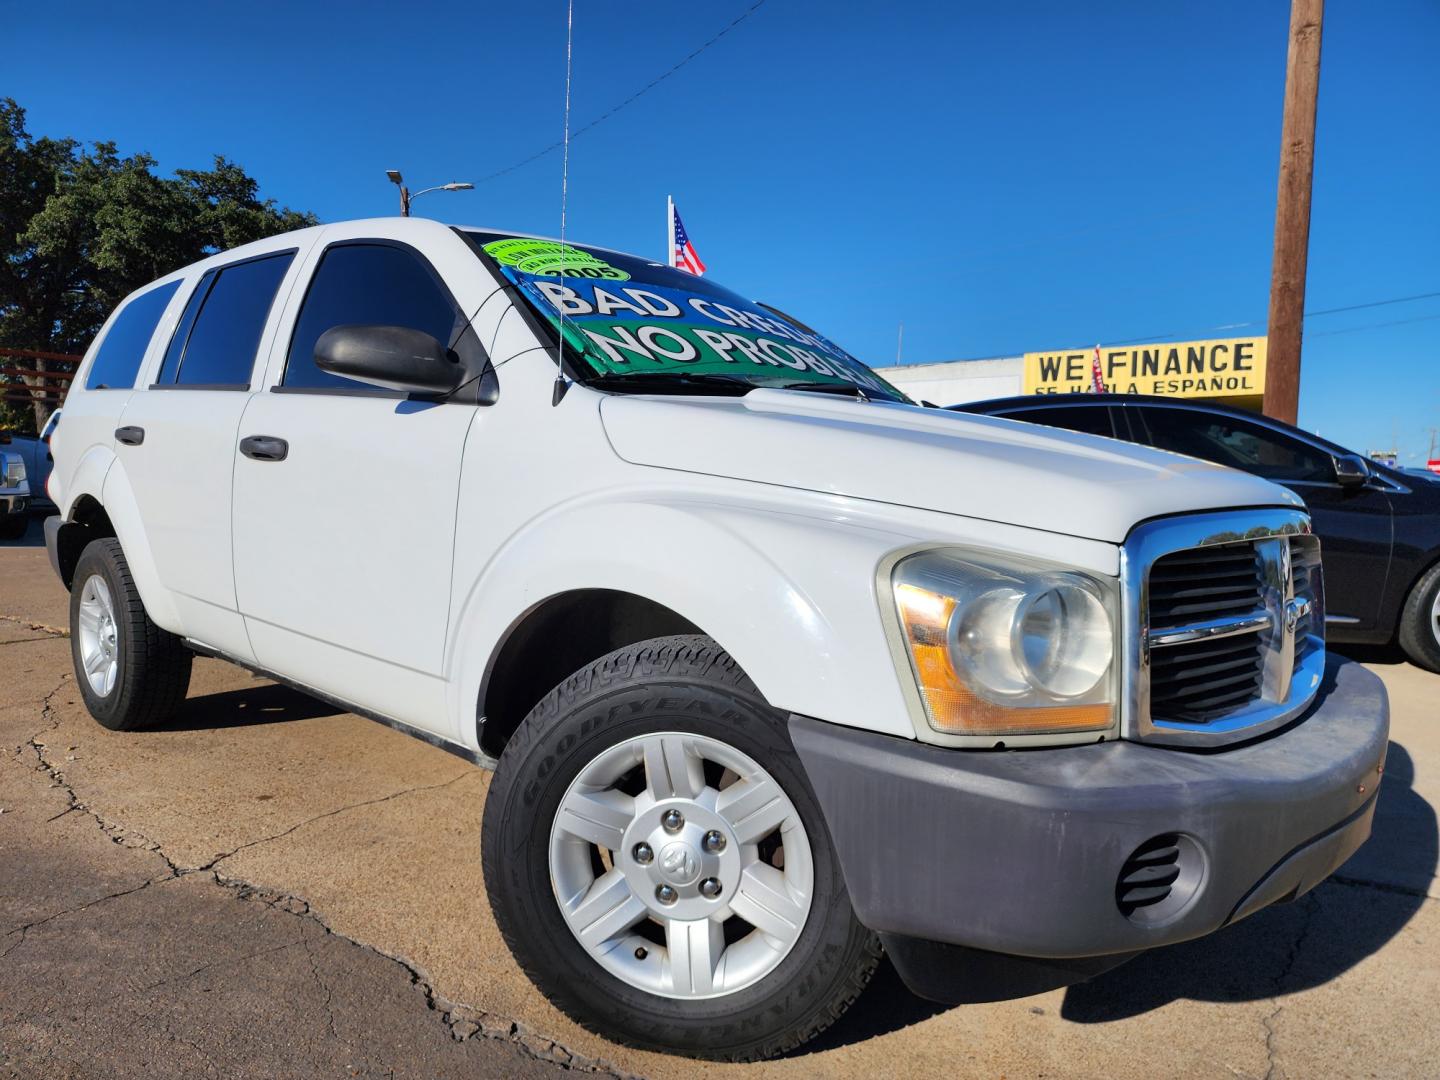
<point>118,358</point>
<point>377,284</point>
<point>176,348</point>
<point>1227,440</point>
<point>1090,419</point>
<point>220,349</point>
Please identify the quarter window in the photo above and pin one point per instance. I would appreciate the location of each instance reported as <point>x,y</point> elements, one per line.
<point>367,284</point>
<point>120,353</point>
<point>1239,444</point>
<point>219,333</point>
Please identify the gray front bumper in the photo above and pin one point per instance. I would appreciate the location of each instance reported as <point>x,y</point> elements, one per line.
<point>1018,852</point>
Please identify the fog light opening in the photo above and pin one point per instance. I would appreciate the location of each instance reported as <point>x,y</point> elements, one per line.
<point>1160,879</point>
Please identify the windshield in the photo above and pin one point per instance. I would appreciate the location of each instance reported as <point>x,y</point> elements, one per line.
<point>636,325</point>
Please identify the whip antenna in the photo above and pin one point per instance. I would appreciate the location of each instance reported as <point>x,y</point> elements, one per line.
<point>560,384</point>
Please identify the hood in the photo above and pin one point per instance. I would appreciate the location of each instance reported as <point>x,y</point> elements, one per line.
<point>957,463</point>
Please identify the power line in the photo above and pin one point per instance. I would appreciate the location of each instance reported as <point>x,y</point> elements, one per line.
<point>1308,315</point>
<point>632,98</point>
<point>1375,325</point>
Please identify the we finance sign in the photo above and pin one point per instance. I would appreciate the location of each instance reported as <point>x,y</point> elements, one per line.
<point>1228,367</point>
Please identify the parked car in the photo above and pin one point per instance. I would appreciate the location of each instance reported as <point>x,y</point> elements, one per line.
<point>1379,526</point>
<point>36,455</point>
<point>14,495</point>
<point>776,668</point>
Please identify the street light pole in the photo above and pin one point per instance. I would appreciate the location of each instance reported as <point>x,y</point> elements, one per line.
<point>1292,211</point>
<point>398,181</point>
<point>406,197</point>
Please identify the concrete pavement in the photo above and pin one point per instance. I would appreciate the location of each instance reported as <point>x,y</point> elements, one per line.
<point>263,820</point>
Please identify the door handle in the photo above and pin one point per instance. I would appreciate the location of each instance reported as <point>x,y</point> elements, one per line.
<point>130,436</point>
<point>264,448</point>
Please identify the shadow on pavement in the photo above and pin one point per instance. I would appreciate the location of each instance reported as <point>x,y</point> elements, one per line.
<point>34,536</point>
<point>266,703</point>
<point>1370,654</point>
<point>885,1006</point>
<point>1291,947</point>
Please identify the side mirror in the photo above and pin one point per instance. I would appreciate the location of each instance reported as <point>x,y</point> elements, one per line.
<point>394,357</point>
<point>1351,470</point>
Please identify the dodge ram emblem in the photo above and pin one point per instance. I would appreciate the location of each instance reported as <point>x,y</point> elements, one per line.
<point>680,863</point>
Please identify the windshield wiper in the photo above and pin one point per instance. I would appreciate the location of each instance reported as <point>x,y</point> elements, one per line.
<point>853,390</point>
<point>672,381</point>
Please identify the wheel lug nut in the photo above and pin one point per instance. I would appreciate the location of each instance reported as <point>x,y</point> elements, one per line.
<point>665,894</point>
<point>672,820</point>
<point>710,888</point>
<point>643,854</point>
<point>641,953</point>
<point>714,841</point>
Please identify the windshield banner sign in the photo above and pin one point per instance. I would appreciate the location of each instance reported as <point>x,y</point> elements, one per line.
<point>623,325</point>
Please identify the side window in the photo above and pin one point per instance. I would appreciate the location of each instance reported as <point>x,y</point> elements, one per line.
<point>219,333</point>
<point>118,358</point>
<point>377,284</point>
<point>176,349</point>
<point>1089,419</point>
<point>1238,443</point>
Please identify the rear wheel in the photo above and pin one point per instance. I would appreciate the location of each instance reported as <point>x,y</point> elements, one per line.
<point>1420,622</point>
<point>660,867</point>
<point>131,673</point>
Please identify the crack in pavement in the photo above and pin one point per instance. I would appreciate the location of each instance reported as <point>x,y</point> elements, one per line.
<point>18,620</point>
<point>324,987</point>
<point>217,963</point>
<point>1380,886</point>
<point>321,817</point>
<point>461,1021</point>
<point>1271,1059</point>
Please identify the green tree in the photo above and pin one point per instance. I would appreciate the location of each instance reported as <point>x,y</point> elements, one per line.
<point>80,228</point>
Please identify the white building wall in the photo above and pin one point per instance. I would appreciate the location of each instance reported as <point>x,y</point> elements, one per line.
<point>956,381</point>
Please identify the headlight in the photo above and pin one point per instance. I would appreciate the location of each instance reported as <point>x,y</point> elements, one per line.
<point>1007,646</point>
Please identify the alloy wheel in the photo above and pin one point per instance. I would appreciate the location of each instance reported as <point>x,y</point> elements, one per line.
<point>681,866</point>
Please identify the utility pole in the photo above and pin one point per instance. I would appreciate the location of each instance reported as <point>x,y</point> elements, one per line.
<point>1292,211</point>
<point>899,343</point>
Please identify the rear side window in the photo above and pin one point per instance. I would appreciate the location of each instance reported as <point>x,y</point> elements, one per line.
<point>219,333</point>
<point>360,284</point>
<point>1239,444</point>
<point>1089,419</point>
<point>118,358</point>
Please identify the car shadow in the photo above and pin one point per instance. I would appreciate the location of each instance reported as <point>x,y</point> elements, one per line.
<point>33,537</point>
<point>1369,654</point>
<point>264,703</point>
<point>887,1005</point>
<point>1292,947</point>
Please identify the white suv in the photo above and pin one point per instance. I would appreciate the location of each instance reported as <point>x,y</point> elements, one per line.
<point>776,668</point>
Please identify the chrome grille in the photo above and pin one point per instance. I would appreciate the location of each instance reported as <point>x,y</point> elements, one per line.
<point>1200,678</point>
<point>1228,632</point>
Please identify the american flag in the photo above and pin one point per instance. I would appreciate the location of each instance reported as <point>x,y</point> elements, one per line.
<point>1097,380</point>
<point>683,255</point>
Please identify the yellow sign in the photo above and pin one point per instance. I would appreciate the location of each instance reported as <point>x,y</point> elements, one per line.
<point>1231,367</point>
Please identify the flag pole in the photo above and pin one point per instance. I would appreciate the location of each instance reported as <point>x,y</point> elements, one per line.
<point>669,231</point>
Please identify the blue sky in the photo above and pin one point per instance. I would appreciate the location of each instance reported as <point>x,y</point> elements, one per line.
<point>999,177</point>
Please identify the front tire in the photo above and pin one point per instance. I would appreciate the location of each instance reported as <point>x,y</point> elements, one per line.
<point>131,673</point>
<point>1420,622</point>
<point>660,867</point>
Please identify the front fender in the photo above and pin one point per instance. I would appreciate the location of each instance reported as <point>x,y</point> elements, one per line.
<point>791,597</point>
